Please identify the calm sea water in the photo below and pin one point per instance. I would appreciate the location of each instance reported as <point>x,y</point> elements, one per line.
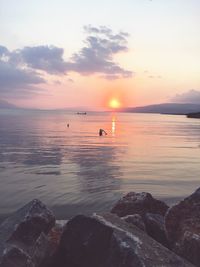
<point>73,170</point>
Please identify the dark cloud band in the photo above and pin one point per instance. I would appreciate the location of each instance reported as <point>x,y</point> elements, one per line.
<point>25,67</point>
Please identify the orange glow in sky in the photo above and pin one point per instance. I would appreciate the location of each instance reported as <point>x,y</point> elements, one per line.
<point>114,103</point>
<point>101,63</point>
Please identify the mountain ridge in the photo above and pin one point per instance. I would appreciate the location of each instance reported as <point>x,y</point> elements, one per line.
<point>6,104</point>
<point>165,108</point>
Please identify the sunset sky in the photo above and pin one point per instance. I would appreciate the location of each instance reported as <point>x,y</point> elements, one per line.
<point>58,54</point>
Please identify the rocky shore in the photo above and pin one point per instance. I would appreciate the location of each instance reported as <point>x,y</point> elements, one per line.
<point>139,231</point>
<point>195,115</point>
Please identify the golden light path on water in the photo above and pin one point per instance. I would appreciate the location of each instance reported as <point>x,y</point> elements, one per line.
<point>113,125</point>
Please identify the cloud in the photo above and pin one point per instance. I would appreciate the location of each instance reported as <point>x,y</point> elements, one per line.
<point>155,76</point>
<point>10,76</point>
<point>110,77</point>
<point>70,80</point>
<point>3,51</point>
<point>151,76</point>
<point>14,78</point>
<point>57,82</point>
<point>47,58</point>
<point>23,69</point>
<point>192,96</point>
<point>97,55</point>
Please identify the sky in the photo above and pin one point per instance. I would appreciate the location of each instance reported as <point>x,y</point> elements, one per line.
<point>59,54</point>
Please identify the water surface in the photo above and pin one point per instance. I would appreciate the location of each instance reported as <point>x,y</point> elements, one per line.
<point>73,170</point>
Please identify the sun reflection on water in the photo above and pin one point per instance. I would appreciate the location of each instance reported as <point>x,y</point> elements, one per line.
<point>113,125</point>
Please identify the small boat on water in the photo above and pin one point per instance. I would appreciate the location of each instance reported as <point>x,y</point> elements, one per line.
<point>81,113</point>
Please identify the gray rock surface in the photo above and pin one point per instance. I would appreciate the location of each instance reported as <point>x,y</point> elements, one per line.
<point>131,247</point>
<point>182,224</point>
<point>108,241</point>
<point>136,220</point>
<point>139,203</point>
<point>155,227</point>
<point>84,242</point>
<point>23,236</point>
<point>15,257</point>
<point>30,238</point>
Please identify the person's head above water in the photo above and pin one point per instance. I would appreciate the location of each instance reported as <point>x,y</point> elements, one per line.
<point>101,132</point>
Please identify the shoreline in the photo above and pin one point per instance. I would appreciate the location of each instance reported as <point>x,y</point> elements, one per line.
<point>60,213</point>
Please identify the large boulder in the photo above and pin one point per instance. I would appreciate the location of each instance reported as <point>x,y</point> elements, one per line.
<point>136,220</point>
<point>182,224</point>
<point>131,247</point>
<point>54,237</point>
<point>23,236</point>
<point>139,203</point>
<point>108,241</point>
<point>16,257</point>
<point>85,242</point>
<point>154,224</point>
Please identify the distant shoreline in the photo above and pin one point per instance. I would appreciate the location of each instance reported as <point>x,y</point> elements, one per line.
<point>163,109</point>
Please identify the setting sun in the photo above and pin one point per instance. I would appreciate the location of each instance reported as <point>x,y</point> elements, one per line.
<point>114,103</point>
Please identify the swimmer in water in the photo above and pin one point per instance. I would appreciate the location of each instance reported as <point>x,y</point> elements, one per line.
<point>101,132</point>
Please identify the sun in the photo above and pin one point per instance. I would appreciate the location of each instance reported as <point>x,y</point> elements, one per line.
<point>114,103</point>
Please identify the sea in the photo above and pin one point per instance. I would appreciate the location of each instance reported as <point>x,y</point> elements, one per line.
<point>74,171</point>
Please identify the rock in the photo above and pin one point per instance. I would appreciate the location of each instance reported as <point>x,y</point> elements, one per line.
<point>85,242</point>
<point>15,257</point>
<point>131,247</point>
<point>139,203</point>
<point>108,241</point>
<point>54,237</point>
<point>182,224</point>
<point>24,235</point>
<point>136,220</point>
<point>41,250</point>
<point>189,247</point>
<point>154,224</point>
